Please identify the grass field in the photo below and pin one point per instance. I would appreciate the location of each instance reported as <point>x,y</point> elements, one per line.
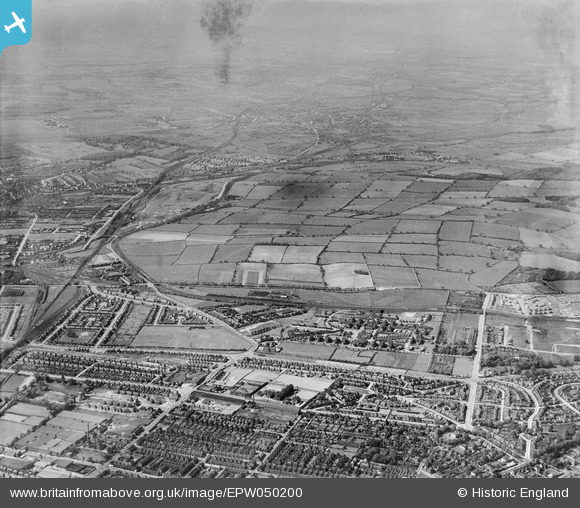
<point>172,247</point>
<point>548,332</point>
<point>545,260</point>
<point>455,234</point>
<point>291,274</point>
<point>494,274</point>
<point>385,259</point>
<point>11,385</point>
<point>350,356</point>
<point>328,258</point>
<point>419,261</point>
<point>418,226</point>
<point>413,238</point>
<point>455,231</point>
<point>435,279</point>
<point>442,364</point>
<point>464,264</point>
<point>182,337</point>
<point>538,239</point>
<point>464,249</point>
<point>222,273</point>
<point>363,247</point>
<point>232,253</point>
<point>567,348</point>
<point>459,327</point>
<point>250,273</point>
<point>567,286</point>
<point>462,367</point>
<point>9,431</point>
<point>395,277</point>
<point>344,275</point>
<point>197,254</point>
<point>404,361</point>
<point>267,253</point>
<point>303,350</point>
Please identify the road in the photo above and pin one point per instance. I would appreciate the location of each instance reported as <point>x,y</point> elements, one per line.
<point>104,227</point>
<point>186,394</point>
<point>214,320</point>
<point>558,395</point>
<point>474,379</point>
<point>533,398</point>
<point>111,325</point>
<point>537,407</point>
<point>529,446</point>
<point>502,405</point>
<point>24,240</point>
<point>70,317</point>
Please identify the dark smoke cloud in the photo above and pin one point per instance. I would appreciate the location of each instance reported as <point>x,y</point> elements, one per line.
<point>223,21</point>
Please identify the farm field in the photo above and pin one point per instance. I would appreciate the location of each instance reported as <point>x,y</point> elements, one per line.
<point>347,275</point>
<point>295,274</point>
<point>307,229</point>
<point>184,337</point>
<point>567,286</point>
<point>393,277</point>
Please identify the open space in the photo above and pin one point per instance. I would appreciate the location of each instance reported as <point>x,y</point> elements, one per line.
<point>184,337</point>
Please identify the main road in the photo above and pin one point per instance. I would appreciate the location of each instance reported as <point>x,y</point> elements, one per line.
<point>474,379</point>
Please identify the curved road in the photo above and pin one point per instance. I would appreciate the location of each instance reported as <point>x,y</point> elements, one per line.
<point>563,400</point>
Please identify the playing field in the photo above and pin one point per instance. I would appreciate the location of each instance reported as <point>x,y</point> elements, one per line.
<point>304,350</point>
<point>184,337</point>
<point>547,333</point>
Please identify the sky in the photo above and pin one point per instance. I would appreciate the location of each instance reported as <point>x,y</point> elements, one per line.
<point>118,24</point>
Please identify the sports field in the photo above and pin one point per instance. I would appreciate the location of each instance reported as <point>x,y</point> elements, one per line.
<point>184,337</point>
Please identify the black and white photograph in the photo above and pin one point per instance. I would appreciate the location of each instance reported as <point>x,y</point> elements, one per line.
<point>290,239</point>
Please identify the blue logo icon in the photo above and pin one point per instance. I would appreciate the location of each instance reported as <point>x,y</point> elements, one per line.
<point>15,22</point>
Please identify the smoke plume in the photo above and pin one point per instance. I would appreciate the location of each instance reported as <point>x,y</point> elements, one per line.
<point>223,21</point>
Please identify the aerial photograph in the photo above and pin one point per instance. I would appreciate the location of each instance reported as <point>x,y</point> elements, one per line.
<point>290,239</point>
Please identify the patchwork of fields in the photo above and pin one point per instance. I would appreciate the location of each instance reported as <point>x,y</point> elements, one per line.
<point>353,231</point>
